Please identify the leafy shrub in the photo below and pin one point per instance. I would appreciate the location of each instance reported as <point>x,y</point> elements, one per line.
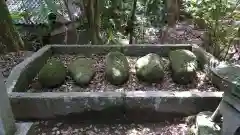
<point>218,18</point>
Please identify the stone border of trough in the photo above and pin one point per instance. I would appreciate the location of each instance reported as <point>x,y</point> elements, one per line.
<point>47,105</point>
<point>50,105</point>
<point>208,63</point>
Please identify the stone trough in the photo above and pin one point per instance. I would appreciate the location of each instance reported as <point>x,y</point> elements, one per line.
<point>146,104</point>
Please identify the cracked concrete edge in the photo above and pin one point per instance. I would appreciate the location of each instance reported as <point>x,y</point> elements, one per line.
<point>24,128</point>
<point>49,105</point>
<point>21,75</point>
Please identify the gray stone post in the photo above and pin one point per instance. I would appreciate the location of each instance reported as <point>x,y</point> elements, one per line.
<point>7,122</point>
<point>214,117</point>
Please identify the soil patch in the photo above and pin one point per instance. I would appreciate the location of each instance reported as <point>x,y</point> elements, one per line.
<point>10,60</point>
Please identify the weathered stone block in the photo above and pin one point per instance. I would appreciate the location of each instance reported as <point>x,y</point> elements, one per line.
<point>50,105</point>
<point>7,122</point>
<point>205,126</point>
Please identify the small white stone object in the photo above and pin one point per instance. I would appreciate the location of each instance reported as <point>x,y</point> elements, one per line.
<point>58,133</point>
<point>55,129</point>
<point>205,126</point>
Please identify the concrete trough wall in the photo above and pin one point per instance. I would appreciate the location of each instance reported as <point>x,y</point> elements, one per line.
<point>24,72</point>
<point>48,105</point>
<point>129,50</point>
<point>208,62</point>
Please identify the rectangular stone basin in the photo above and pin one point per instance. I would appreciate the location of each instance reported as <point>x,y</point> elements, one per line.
<point>46,105</point>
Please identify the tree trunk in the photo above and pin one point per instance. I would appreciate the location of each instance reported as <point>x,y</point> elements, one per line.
<point>173,11</point>
<point>86,11</point>
<point>131,24</point>
<point>93,17</point>
<point>91,21</point>
<point>97,21</point>
<point>10,39</point>
<point>68,10</point>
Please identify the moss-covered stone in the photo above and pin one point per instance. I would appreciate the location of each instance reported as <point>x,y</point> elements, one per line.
<point>81,71</point>
<point>150,68</point>
<point>183,65</point>
<point>117,68</point>
<point>52,74</point>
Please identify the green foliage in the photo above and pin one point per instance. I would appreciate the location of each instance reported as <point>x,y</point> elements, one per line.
<point>156,11</point>
<point>18,15</point>
<point>217,17</point>
<point>114,19</point>
<point>117,14</point>
<point>40,12</point>
<point>33,37</point>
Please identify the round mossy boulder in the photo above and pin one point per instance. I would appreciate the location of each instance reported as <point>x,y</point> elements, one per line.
<point>150,68</point>
<point>183,65</point>
<point>117,68</point>
<point>81,71</point>
<point>52,74</point>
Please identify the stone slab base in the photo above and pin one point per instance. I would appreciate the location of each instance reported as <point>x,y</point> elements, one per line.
<point>24,129</point>
<point>231,117</point>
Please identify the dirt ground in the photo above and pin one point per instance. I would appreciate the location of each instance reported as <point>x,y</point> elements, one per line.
<point>10,60</point>
<point>65,128</point>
